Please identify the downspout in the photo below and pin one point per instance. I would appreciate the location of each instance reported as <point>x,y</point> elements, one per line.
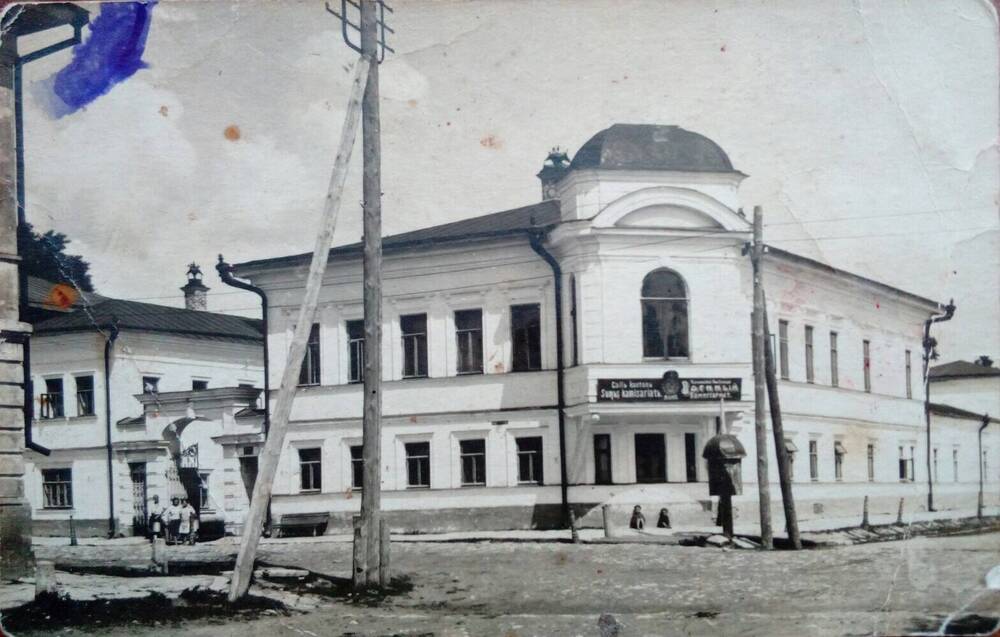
<point>22,272</point>
<point>225,271</point>
<point>979,508</point>
<point>536,238</point>
<point>109,346</point>
<point>226,274</point>
<point>930,354</point>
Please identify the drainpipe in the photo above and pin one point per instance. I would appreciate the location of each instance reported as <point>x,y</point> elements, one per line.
<point>225,271</point>
<point>536,238</point>
<point>931,354</point>
<point>979,507</point>
<point>109,347</point>
<point>226,274</point>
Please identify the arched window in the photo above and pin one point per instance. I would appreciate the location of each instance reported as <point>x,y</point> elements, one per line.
<point>664,315</point>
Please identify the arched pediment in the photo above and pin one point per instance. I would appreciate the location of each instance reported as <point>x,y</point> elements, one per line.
<point>669,207</point>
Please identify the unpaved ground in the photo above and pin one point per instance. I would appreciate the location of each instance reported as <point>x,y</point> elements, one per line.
<point>522,589</point>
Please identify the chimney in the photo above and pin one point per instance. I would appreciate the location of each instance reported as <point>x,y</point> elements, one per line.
<point>195,292</point>
<point>555,167</point>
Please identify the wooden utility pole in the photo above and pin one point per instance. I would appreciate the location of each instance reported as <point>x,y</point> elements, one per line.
<point>371,493</point>
<point>269,456</point>
<point>778,429</point>
<point>760,423</point>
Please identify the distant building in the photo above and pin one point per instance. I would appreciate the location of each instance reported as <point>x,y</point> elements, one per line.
<point>973,387</point>
<point>656,300</point>
<point>95,357</point>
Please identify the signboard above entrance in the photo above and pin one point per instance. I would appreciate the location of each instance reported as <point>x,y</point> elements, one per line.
<point>670,388</point>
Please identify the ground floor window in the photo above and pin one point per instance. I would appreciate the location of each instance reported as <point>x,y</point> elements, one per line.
<point>790,451</point>
<point>871,462</point>
<point>418,465</point>
<point>473,456</point>
<point>357,467</point>
<point>934,464</point>
<point>602,458</point>
<point>204,498</point>
<point>529,460</point>
<point>813,460</point>
<point>954,465</point>
<point>839,451</point>
<point>650,458</point>
<point>57,486</point>
<point>905,464</point>
<point>310,469</point>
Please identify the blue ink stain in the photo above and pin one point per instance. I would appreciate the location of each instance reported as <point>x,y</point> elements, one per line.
<point>112,54</point>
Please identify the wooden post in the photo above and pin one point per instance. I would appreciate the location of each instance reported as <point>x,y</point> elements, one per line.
<point>371,492</point>
<point>359,576</point>
<point>760,423</point>
<point>899,514</point>
<point>726,515</point>
<point>384,574</point>
<point>574,533</point>
<point>271,453</point>
<point>864,516</point>
<point>606,512</point>
<point>72,532</point>
<point>778,429</point>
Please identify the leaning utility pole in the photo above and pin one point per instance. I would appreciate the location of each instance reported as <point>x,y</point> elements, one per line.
<point>760,424</point>
<point>253,526</point>
<point>778,429</point>
<point>371,492</point>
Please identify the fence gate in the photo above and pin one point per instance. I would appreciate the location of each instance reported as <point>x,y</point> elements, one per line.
<point>140,514</point>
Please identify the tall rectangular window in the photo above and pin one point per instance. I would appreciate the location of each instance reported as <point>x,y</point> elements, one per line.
<point>834,365</point>
<point>418,465</point>
<point>906,464</point>
<point>309,374</point>
<point>310,469</point>
<point>414,330</point>
<point>691,457</point>
<point>909,381</point>
<point>871,462</point>
<point>911,474</point>
<point>150,384</point>
<point>357,467</point>
<point>954,465</point>
<point>57,487</point>
<point>473,457</point>
<point>839,451</point>
<point>934,463</point>
<point>526,337</point>
<point>783,348</point>
<point>469,334</point>
<point>52,399</point>
<point>199,385</point>
<point>84,395</point>
<point>529,460</point>
<point>356,351</point>
<point>866,353</point>
<point>813,460</point>
<point>902,465</point>
<point>791,450</point>
<point>809,354</point>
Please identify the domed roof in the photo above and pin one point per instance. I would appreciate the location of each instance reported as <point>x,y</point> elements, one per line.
<point>651,147</point>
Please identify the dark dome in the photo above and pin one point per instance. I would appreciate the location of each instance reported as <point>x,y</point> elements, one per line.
<point>651,147</point>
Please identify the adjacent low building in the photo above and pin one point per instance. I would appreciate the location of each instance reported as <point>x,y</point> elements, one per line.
<point>97,365</point>
<point>632,273</point>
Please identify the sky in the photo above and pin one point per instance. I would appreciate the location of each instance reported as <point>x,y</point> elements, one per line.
<point>868,129</point>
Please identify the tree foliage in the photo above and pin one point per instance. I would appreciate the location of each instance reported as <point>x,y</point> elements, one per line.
<point>44,256</point>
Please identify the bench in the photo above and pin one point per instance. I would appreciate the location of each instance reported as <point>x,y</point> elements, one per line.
<point>314,522</point>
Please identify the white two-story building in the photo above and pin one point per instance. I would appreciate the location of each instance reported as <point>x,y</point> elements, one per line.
<point>95,362</point>
<point>642,239</point>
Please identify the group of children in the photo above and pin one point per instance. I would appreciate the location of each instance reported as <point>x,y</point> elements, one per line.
<point>177,523</point>
<point>638,520</point>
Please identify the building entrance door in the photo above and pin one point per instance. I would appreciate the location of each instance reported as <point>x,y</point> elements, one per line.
<point>140,513</point>
<point>650,458</point>
<point>602,458</point>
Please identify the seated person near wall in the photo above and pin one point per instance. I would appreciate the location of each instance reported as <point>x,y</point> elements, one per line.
<point>638,520</point>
